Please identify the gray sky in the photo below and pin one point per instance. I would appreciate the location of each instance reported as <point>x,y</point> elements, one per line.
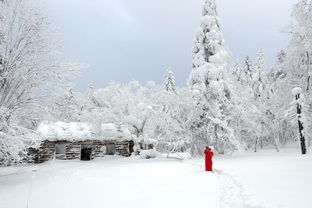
<point>123,40</point>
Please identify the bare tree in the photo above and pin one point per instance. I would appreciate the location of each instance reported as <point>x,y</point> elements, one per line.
<point>29,66</point>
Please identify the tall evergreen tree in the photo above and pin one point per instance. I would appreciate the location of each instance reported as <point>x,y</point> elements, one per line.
<point>210,85</point>
<point>238,70</point>
<point>170,83</point>
<point>247,72</point>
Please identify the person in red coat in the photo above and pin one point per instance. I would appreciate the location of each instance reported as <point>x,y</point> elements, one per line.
<point>208,158</point>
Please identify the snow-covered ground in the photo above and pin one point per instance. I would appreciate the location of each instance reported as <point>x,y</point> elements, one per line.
<point>248,180</point>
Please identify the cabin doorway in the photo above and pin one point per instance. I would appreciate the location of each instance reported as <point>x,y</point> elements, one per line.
<point>86,152</point>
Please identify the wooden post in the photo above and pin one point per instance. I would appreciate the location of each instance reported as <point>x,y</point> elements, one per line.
<point>256,144</point>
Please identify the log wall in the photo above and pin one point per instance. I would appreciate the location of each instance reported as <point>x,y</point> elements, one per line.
<point>73,149</point>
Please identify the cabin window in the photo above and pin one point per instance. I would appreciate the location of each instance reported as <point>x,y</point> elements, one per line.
<point>60,151</point>
<point>86,152</point>
<point>110,149</point>
<point>103,150</point>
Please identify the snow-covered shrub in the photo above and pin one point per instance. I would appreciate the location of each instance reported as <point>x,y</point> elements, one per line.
<point>14,145</point>
<point>180,155</point>
<point>148,154</point>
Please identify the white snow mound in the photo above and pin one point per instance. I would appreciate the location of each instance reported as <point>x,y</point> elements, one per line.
<point>148,154</point>
<point>64,130</point>
<point>296,91</point>
<point>82,131</point>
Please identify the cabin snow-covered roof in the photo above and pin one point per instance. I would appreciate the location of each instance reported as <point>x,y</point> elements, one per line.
<point>77,131</point>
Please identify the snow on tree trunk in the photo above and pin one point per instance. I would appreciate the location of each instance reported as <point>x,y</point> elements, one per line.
<point>299,105</point>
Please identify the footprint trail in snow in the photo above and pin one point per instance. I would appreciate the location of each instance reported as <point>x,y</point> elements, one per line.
<point>232,194</point>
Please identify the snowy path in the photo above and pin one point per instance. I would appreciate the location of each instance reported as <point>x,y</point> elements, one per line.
<point>232,194</point>
<point>267,179</point>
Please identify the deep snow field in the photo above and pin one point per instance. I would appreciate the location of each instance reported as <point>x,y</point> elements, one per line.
<point>266,179</point>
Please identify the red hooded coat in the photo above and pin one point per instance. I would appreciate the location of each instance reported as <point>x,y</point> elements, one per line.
<point>208,159</point>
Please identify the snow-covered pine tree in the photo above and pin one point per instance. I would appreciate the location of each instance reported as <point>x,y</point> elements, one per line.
<point>170,83</point>
<point>209,83</point>
<point>246,76</point>
<point>237,71</point>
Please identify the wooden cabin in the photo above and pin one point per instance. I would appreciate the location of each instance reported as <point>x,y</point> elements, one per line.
<point>67,141</point>
<point>80,149</point>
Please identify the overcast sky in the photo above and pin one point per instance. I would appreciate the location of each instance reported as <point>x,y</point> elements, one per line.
<point>123,40</point>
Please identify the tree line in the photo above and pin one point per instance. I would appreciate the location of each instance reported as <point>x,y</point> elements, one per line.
<point>229,105</point>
